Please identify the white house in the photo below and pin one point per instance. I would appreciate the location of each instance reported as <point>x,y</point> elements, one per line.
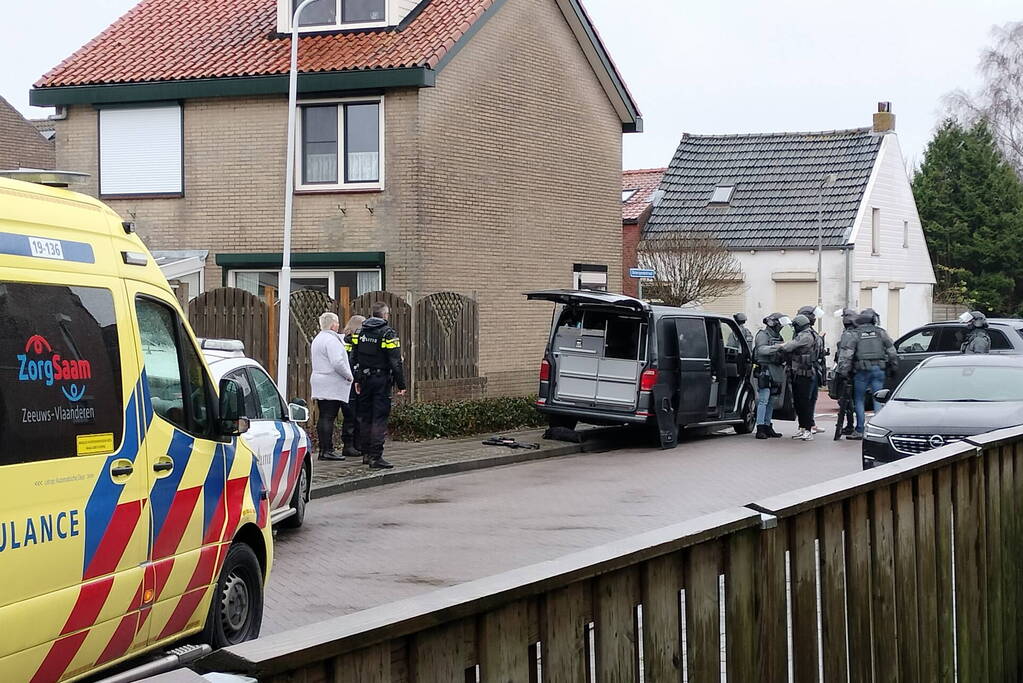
<point>769,199</point>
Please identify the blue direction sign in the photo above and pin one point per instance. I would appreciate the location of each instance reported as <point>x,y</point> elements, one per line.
<point>642,273</point>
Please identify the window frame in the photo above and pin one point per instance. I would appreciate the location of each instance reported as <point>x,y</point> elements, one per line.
<point>330,273</point>
<point>250,372</point>
<point>714,200</point>
<point>169,194</point>
<point>341,185</point>
<point>240,376</point>
<point>181,337</point>
<point>286,13</point>
<point>875,231</point>
<point>628,194</point>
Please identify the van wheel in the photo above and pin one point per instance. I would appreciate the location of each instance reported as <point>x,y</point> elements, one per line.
<point>749,417</point>
<point>236,611</point>
<point>299,499</point>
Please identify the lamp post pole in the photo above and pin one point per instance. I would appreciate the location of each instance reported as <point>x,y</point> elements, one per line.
<point>829,181</point>
<point>284,286</point>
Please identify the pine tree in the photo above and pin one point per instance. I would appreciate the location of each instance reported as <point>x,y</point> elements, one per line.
<point>971,205</point>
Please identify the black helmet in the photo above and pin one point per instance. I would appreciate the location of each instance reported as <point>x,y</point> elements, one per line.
<point>801,322</point>
<point>875,319</point>
<point>740,318</point>
<point>810,312</point>
<point>867,317</point>
<point>974,320</point>
<point>848,317</point>
<point>776,320</point>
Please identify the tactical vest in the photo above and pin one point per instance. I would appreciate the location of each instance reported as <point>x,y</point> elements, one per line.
<point>804,363</point>
<point>870,350</point>
<point>370,348</point>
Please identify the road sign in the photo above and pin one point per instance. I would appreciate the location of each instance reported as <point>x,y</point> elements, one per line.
<point>642,273</point>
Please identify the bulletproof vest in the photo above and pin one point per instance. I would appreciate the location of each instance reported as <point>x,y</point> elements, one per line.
<point>870,346</point>
<point>370,353</point>
<point>765,337</point>
<point>806,360</point>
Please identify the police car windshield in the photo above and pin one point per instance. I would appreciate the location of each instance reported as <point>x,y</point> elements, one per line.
<point>963,384</point>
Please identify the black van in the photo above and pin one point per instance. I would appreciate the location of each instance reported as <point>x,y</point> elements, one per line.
<point>615,360</point>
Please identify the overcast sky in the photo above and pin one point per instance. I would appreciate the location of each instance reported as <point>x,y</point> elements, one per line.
<point>698,67</point>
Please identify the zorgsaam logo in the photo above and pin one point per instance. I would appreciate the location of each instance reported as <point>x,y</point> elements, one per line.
<point>40,363</point>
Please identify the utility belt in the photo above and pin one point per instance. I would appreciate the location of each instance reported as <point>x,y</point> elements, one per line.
<point>871,364</point>
<point>370,372</point>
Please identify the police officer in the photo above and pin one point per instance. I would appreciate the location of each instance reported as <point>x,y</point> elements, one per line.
<point>868,357</point>
<point>803,354</point>
<point>377,360</point>
<point>821,375</point>
<point>350,426</point>
<point>977,338</point>
<point>770,373</point>
<point>740,319</point>
<point>843,384</point>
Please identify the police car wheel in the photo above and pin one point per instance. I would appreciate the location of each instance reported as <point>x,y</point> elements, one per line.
<point>236,611</point>
<point>299,499</point>
<point>749,417</point>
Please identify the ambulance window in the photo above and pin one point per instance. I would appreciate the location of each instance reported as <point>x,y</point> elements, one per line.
<point>60,372</point>
<point>177,382</point>
<point>270,406</point>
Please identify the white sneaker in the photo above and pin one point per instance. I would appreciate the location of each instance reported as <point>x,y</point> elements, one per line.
<point>808,435</point>
<point>801,434</point>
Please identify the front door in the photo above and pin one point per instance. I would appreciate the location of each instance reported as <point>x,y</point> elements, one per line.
<point>694,370</point>
<point>185,466</point>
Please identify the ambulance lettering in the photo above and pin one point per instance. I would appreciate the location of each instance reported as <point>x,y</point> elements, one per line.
<point>15,534</point>
<point>40,363</point>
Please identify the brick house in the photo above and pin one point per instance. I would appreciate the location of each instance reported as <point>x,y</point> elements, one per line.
<point>638,188</point>
<point>21,144</point>
<point>429,134</point>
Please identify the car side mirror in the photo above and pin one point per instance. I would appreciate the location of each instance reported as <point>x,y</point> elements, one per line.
<point>231,422</point>
<point>882,396</point>
<point>297,412</point>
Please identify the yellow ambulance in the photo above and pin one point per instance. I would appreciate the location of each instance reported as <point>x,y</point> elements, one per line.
<point>131,515</point>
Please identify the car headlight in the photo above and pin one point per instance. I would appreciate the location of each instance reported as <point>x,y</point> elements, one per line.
<point>875,432</point>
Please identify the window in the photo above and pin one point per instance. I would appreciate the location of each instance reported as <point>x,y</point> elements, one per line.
<point>334,284</point>
<point>954,336</point>
<point>60,373</point>
<point>340,13</point>
<point>875,232</point>
<point>179,389</point>
<point>731,336</point>
<point>918,342</point>
<point>340,145</point>
<point>588,276</point>
<point>963,384</point>
<point>250,402</point>
<point>627,195</point>
<point>692,338</point>
<point>722,194</point>
<point>905,234</point>
<point>140,151</point>
<point>270,405</point>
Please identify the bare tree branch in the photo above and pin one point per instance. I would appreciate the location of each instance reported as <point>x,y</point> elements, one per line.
<point>691,268</point>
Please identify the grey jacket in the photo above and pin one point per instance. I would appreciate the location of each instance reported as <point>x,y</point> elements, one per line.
<point>978,341</point>
<point>803,352</point>
<point>770,370</point>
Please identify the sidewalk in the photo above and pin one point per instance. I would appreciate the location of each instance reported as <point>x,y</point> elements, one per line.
<point>417,460</point>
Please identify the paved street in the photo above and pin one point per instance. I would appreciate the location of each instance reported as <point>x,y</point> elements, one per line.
<point>370,547</point>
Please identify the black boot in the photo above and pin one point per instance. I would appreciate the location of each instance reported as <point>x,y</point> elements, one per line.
<point>770,431</point>
<point>762,432</point>
<point>350,452</point>
<point>378,463</point>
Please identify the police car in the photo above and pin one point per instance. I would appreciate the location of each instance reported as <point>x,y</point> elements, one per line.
<point>281,445</point>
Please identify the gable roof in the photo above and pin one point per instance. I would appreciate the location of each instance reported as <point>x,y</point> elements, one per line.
<point>21,145</point>
<point>777,178</point>
<point>161,41</point>
<point>644,181</point>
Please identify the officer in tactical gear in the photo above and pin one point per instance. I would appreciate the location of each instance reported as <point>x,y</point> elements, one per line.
<point>803,355</point>
<point>733,341</point>
<point>376,357</point>
<point>843,384</point>
<point>868,357</point>
<point>770,373</point>
<point>821,376</point>
<point>977,339</point>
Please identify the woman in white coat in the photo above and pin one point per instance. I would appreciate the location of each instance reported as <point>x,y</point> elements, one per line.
<point>331,382</point>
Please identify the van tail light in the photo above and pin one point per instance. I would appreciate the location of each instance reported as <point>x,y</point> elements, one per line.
<point>648,380</point>
<point>545,371</point>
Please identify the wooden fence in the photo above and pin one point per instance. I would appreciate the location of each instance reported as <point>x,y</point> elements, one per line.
<point>909,572</point>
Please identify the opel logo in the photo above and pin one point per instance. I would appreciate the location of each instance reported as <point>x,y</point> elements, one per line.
<point>936,441</point>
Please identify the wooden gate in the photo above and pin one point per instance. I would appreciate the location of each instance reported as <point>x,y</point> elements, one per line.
<point>230,313</point>
<point>446,328</point>
<point>307,305</point>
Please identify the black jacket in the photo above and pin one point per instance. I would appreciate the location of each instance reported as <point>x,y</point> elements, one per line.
<point>378,348</point>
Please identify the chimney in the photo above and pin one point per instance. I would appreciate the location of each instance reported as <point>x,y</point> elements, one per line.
<point>884,119</point>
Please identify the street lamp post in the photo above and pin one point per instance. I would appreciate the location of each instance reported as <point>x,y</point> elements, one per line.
<point>829,181</point>
<point>284,286</point>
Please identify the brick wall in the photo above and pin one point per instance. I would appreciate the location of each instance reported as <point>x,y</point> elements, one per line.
<point>21,145</point>
<point>522,178</point>
<point>630,241</point>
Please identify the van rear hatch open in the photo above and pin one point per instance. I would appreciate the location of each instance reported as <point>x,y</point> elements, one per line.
<point>598,348</point>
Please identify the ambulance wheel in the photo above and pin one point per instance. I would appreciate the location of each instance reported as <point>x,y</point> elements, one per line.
<point>299,499</point>
<point>236,611</point>
<point>749,417</point>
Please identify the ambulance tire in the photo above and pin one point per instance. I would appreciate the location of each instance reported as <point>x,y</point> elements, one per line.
<point>236,611</point>
<point>299,500</point>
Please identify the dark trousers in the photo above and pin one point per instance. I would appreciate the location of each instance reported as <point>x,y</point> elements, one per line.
<point>325,425</point>
<point>373,409</point>
<point>350,427</point>
<point>802,400</point>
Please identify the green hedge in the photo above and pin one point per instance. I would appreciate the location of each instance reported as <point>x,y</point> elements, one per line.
<point>419,421</point>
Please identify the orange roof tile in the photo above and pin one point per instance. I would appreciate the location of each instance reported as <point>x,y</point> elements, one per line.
<point>162,40</point>
<point>645,182</point>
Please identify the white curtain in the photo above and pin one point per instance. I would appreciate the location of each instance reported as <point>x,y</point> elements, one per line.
<point>321,168</point>
<point>363,166</point>
<point>369,281</point>
<point>247,281</point>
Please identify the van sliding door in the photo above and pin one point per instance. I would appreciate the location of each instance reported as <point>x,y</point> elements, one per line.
<point>694,370</point>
